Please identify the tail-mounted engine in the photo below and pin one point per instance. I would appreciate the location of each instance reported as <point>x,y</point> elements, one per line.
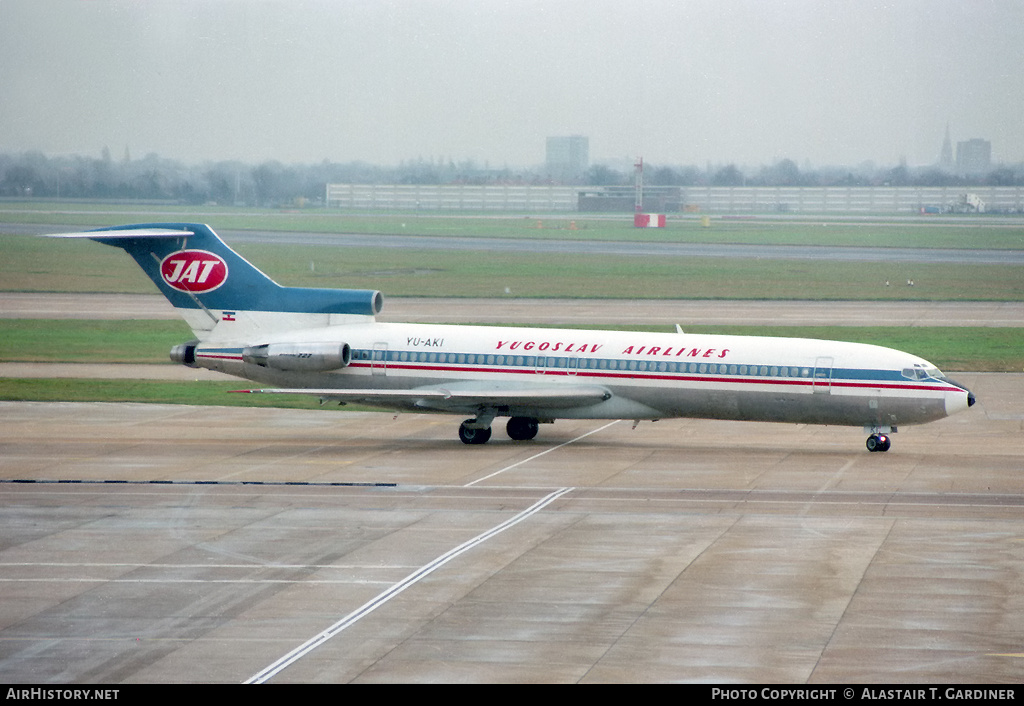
<point>185,354</point>
<point>299,357</point>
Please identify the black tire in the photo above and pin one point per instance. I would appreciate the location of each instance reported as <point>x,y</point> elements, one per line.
<point>522,428</point>
<point>469,435</point>
<point>878,442</point>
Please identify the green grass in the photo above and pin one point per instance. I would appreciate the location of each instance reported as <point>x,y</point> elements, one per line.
<point>35,264</point>
<point>74,341</point>
<point>877,232</point>
<point>147,391</point>
<point>115,342</point>
<point>440,274</point>
<point>32,264</point>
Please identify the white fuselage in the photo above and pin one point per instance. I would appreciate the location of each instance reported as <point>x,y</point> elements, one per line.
<point>648,375</point>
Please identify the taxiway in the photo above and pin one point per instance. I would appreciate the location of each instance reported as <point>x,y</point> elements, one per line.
<point>171,544</point>
<point>166,544</point>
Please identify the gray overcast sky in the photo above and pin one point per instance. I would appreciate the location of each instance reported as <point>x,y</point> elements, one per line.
<point>679,82</point>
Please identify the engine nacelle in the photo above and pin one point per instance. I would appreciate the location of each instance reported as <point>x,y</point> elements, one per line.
<point>185,354</point>
<point>299,357</point>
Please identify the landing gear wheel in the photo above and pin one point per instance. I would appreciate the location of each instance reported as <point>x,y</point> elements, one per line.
<point>878,442</point>
<point>522,428</point>
<point>469,435</point>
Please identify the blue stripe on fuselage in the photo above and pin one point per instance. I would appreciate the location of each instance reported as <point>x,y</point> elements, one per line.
<point>625,369</point>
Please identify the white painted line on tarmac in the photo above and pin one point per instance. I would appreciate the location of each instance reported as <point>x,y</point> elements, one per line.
<point>372,605</point>
<point>538,455</point>
<point>64,580</point>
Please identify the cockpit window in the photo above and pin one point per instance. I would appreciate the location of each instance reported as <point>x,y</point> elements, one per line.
<point>919,372</point>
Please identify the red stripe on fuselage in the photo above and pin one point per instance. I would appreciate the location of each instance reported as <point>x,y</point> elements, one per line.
<point>636,375</point>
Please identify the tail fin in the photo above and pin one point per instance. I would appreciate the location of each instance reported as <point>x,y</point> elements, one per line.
<point>212,286</point>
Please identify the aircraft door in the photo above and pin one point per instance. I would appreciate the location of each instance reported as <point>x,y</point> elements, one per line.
<point>821,379</point>
<point>379,359</point>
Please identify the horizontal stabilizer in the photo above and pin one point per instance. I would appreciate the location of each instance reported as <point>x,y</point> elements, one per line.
<point>124,233</point>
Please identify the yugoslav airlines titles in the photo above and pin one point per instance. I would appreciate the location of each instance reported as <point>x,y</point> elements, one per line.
<point>563,347</point>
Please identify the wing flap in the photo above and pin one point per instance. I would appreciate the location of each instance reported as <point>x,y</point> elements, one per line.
<point>549,397</point>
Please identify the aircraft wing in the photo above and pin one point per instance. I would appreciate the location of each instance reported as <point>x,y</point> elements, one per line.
<point>461,396</point>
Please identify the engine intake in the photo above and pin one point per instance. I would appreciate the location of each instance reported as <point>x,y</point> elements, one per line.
<point>299,357</point>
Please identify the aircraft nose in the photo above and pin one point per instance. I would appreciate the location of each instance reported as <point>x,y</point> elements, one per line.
<point>958,398</point>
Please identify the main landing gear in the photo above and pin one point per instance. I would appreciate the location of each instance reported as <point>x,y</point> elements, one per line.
<point>478,431</point>
<point>878,442</point>
<point>522,428</point>
<point>474,435</point>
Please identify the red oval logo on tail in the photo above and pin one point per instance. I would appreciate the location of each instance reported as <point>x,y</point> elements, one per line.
<point>195,271</point>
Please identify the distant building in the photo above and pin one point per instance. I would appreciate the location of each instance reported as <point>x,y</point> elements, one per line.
<point>568,158</point>
<point>946,155</point>
<point>973,156</point>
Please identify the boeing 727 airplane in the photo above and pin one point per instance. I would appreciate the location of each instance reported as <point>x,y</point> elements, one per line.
<point>327,343</point>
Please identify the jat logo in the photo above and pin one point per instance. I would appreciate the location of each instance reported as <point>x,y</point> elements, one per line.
<point>195,271</point>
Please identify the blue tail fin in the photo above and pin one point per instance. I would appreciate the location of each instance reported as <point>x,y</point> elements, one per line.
<point>197,271</point>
